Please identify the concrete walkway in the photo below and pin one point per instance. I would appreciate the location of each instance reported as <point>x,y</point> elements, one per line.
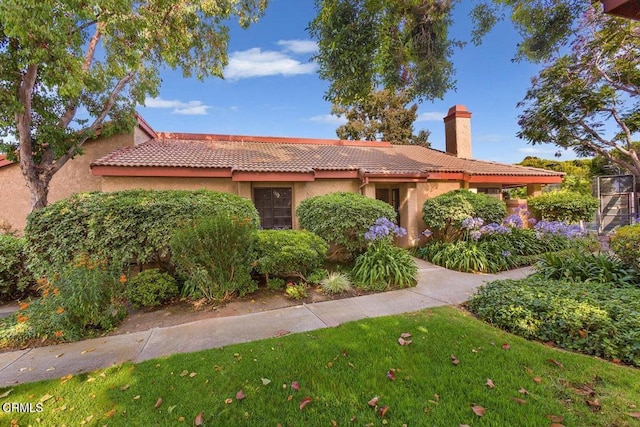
<point>436,287</point>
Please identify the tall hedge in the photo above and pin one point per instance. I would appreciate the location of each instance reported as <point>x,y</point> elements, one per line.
<point>126,226</point>
<point>15,279</point>
<point>567,206</point>
<point>342,219</point>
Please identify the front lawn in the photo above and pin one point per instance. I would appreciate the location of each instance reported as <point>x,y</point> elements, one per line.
<point>455,371</point>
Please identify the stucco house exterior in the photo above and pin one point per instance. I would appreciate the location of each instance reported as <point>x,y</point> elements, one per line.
<point>278,173</point>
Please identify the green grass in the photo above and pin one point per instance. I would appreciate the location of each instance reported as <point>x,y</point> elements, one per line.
<point>341,369</point>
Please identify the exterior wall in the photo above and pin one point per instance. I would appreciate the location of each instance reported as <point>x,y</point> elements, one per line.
<point>14,197</point>
<point>119,183</point>
<point>74,177</point>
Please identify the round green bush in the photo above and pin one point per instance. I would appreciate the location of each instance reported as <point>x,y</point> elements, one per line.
<point>342,219</point>
<point>625,243</point>
<point>289,252</point>
<point>567,206</point>
<point>15,279</point>
<point>150,288</point>
<point>443,214</point>
<point>123,227</point>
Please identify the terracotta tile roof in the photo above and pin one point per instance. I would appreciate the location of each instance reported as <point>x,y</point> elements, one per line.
<point>254,154</point>
<point>4,161</point>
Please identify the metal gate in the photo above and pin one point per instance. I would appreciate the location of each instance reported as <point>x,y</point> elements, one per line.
<point>618,196</point>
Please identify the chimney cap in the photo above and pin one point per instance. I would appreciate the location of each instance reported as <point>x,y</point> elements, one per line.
<point>456,111</point>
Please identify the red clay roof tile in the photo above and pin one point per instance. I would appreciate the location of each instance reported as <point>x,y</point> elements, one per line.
<point>255,154</point>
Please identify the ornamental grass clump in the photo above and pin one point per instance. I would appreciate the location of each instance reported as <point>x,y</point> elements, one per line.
<point>335,283</point>
<point>383,265</point>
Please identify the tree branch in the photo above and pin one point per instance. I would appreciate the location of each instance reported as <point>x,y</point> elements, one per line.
<point>23,118</point>
<point>51,170</point>
<point>72,107</point>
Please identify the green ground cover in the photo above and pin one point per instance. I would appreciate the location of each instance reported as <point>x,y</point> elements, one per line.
<point>455,369</point>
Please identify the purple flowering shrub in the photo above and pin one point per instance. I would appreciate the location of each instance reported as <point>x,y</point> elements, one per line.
<point>383,265</point>
<point>499,246</point>
<point>384,228</point>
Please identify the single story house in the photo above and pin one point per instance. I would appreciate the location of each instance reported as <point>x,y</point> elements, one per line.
<point>278,173</point>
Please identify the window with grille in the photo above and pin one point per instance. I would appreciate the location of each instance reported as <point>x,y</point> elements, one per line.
<point>274,207</point>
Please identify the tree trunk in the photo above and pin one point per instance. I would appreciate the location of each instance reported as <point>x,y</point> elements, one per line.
<point>38,188</point>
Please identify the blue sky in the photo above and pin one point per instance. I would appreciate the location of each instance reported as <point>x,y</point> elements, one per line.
<point>271,88</point>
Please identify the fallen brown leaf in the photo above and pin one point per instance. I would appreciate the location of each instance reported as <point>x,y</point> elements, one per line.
<point>520,401</point>
<point>373,402</point>
<point>228,401</point>
<point>402,341</point>
<point>383,411</point>
<point>158,402</point>
<point>391,375</point>
<point>537,380</point>
<point>556,425</point>
<point>593,404</point>
<point>304,402</point>
<point>199,420</point>
<point>555,418</point>
<point>634,414</point>
<point>523,391</point>
<point>281,333</point>
<point>556,363</point>
<point>110,413</point>
<point>478,410</point>
<point>454,360</point>
<point>506,346</point>
<point>240,395</point>
<point>295,385</point>
<point>490,383</point>
<point>405,335</point>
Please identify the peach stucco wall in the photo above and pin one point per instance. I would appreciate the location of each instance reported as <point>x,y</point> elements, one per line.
<point>74,177</point>
<point>119,183</point>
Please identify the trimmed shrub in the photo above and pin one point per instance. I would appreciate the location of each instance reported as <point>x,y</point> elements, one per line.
<point>335,283</point>
<point>384,266</point>
<point>122,227</point>
<point>593,318</point>
<point>444,214</point>
<point>150,288</point>
<point>342,219</point>
<point>215,256</point>
<point>566,206</point>
<point>15,280</point>
<point>625,243</point>
<point>288,253</point>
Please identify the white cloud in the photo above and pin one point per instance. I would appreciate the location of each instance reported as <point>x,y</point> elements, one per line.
<point>430,116</point>
<point>299,46</point>
<point>257,63</point>
<point>190,108</point>
<point>329,119</point>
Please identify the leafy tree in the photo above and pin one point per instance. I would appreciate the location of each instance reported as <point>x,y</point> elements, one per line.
<point>365,45</point>
<point>71,69</point>
<point>588,99</point>
<point>578,172</point>
<point>382,116</point>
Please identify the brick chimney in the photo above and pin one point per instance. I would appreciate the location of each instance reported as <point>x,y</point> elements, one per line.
<point>457,130</point>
